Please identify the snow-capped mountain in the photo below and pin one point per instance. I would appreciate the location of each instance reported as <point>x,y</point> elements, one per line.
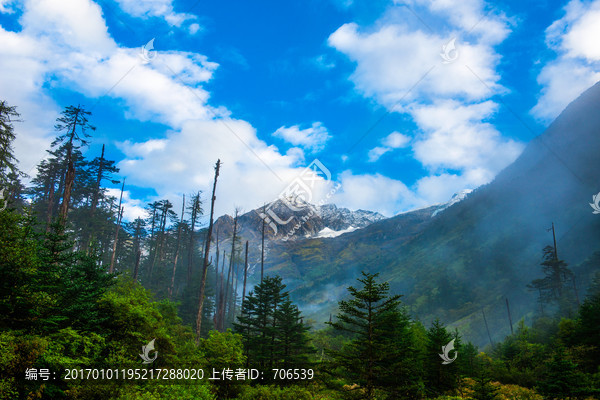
<point>285,221</point>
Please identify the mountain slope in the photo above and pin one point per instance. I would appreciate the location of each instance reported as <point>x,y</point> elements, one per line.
<point>480,251</point>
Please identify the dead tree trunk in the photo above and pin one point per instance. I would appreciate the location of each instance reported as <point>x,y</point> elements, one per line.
<point>50,204</point>
<point>509,317</point>
<point>177,249</point>
<point>221,309</point>
<point>487,328</point>
<point>119,217</point>
<point>245,275</point>
<point>137,249</point>
<point>70,175</point>
<point>136,270</point>
<point>231,309</point>
<point>216,315</point>
<point>262,248</point>
<point>206,252</point>
<point>95,199</point>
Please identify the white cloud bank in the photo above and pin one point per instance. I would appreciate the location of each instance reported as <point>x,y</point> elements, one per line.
<point>66,44</point>
<point>398,64</point>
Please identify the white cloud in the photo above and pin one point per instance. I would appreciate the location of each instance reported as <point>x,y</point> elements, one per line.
<point>395,63</point>
<point>375,192</point>
<point>574,38</point>
<point>455,137</point>
<point>376,152</point>
<point>6,6</point>
<point>132,208</point>
<point>313,138</point>
<point>471,16</point>
<point>323,62</point>
<point>394,140</point>
<point>194,28</point>
<point>155,8</point>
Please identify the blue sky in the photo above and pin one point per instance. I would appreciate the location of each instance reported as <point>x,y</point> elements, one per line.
<point>365,87</point>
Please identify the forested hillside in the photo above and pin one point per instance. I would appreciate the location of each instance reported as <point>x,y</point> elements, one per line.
<point>82,292</point>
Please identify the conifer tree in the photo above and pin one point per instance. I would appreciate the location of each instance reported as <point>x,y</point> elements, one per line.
<point>72,118</point>
<point>380,339</point>
<point>8,162</point>
<point>483,388</point>
<point>440,378</point>
<point>554,287</point>
<point>274,334</point>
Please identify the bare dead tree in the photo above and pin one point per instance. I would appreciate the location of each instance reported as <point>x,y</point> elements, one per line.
<point>206,255</point>
<point>262,248</point>
<point>232,261</point>
<point>245,275</point>
<point>177,249</point>
<point>119,218</point>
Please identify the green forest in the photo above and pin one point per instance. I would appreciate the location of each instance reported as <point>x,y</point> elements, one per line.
<point>83,292</point>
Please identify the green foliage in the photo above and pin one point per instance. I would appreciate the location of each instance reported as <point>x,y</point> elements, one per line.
<point>562,380</point>
<point>223,350</point>
<point>159,391</point>
<point>276,393</point>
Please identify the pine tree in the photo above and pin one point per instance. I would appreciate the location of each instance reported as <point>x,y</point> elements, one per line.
<point>440,378</point>
<point>554,287</point>
<point>483,388</point>
<point>562,379</point>
<point>8,162</point>
<point>380,339</point>
<point>273,332</point>
<point>205,263</point>
<point>291,347</point>
<point>71,119</point>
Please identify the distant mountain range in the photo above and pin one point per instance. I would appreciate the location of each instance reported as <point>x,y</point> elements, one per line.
<point>312,221</point>
<point>454,260</point>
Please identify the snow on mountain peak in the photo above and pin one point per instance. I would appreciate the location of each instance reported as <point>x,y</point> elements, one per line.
<point>456,198</point>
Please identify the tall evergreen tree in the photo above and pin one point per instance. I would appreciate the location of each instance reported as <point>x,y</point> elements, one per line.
<point>440,378</point>
<point>483,388</point>
<point>74,124</point>
<point>8,162</point>
<point>380,339</point>
<point>556,285</point>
